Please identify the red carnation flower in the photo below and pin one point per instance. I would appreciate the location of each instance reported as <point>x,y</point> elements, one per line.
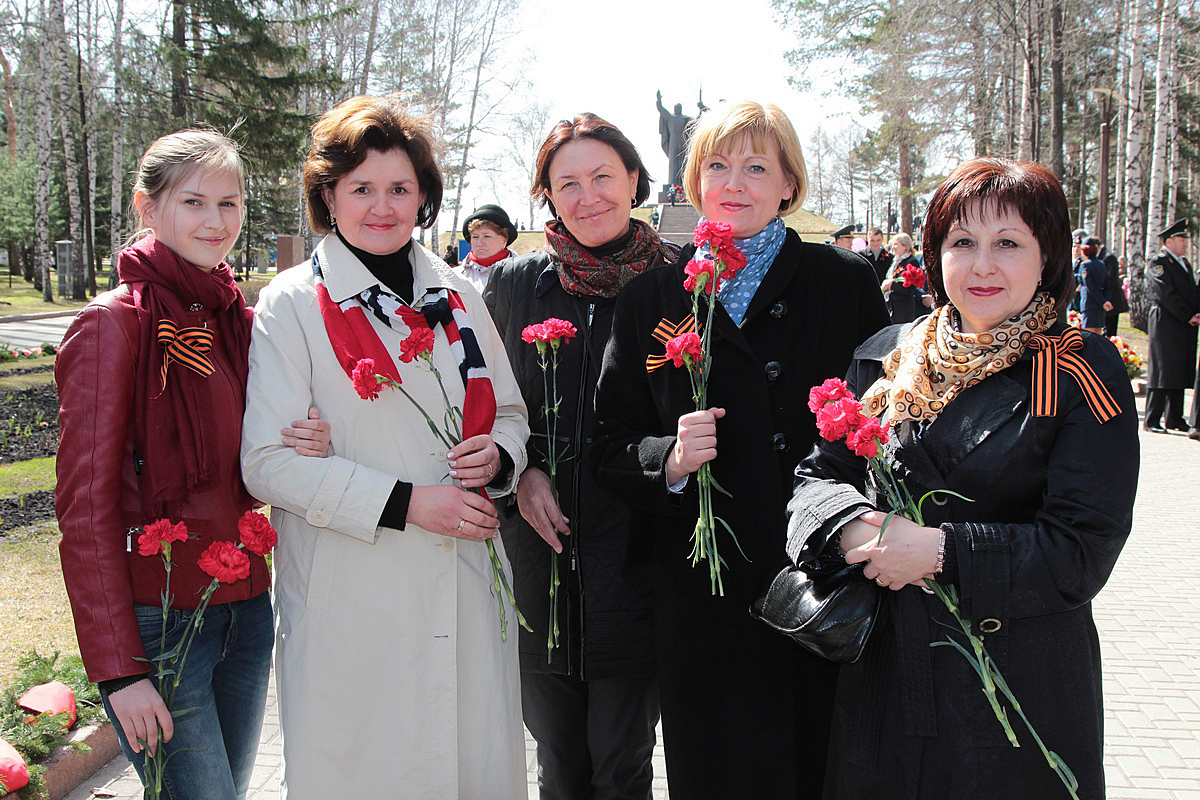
<point>733,258</point>
<point>717,235</point>
<point>555,329</point>
<point>913,276</point>
<point>364,380</point>
<point>699,273</point>
<point>831,390</point>
<point>158,533</point>
<point>837,419</point>
<point>533,333</point>
<point>865,440</point>
<point>685,349</point>
<point>418,343</point>
<point>257,533</point>
<point>225,561</point>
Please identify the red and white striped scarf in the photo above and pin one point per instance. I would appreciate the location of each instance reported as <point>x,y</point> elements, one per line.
<point>353,338</point>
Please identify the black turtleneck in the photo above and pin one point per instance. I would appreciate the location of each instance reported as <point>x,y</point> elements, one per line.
<point>609,249</point>
<point>394,270</point>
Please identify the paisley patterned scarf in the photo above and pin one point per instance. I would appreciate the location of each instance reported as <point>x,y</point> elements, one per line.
<point>583,274</point>
<point>935,363</point>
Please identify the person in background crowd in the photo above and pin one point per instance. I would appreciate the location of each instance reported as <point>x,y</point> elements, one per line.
<point>1038,483</point>
<point>1090,278</point>
<point>878,256</point>
<point>1174,316</point>
<point>904,303</point>
<point>150,427</point>
<point>451,255</point>
<point>393,677</point>
<point>592,703</point>
<point>742,706</point>
<point>844,237</point>
<point>1114,292</point>
<point>490,232</point>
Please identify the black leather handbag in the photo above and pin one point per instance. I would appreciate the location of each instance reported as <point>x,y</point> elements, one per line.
<point>829,613</point>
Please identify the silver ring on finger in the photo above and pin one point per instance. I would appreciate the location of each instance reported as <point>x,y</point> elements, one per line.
<point>461,522</point>
<point>881,582</point>
<point>490,470</point>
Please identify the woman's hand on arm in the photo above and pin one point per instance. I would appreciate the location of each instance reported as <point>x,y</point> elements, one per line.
<point>451,511</point>
<point>141,711</point>
<point>906,555</point>
<point>310,437</point>
<point>695,443</point>
<point>475,461</point>
<point>535,499</point>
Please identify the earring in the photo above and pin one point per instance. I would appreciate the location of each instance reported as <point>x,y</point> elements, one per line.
<point>633,203</point>
<point>333,221</point>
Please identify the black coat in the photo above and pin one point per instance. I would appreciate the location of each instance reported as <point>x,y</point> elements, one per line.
<point>741,705</point>
<point>1174,299</point>
<point>1113,291</point>
<point>881,262</point>
<point>605,627</point>
<point>904,302</point>
<point>1053,502</point>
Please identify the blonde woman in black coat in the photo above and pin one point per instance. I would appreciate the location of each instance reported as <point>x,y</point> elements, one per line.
<point>744,711</point>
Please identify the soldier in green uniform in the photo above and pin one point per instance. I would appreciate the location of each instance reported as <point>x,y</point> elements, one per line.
<point>1174,317</point>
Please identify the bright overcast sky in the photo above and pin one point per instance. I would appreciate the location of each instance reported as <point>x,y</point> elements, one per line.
<point>610,57</point>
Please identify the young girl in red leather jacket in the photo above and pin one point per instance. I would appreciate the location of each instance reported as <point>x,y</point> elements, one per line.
<point>150,418</point>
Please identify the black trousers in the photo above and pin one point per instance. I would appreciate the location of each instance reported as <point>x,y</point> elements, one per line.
<point>1168,401</point>
<point>595,739</point>
<point>1110,325</point>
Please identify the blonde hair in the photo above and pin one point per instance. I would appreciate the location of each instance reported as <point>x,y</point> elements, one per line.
<point>718,128</point>
<point>904,239</point>
<point>171,158</point>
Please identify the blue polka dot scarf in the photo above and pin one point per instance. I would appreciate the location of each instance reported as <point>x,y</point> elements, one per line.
<point>760,251</point>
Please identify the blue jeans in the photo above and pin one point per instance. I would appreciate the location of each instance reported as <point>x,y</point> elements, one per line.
<point>225,680</point>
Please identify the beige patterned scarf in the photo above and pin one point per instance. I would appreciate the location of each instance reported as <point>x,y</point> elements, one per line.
<point>935,363</point>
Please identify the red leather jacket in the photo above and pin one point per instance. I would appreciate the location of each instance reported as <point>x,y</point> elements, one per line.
<point>97,495</point>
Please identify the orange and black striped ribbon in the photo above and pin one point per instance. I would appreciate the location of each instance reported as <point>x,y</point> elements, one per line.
<point>1062,353</point>
<point>666,331</point>
<point>188,346</point>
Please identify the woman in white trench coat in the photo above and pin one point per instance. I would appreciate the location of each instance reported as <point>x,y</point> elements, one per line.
<point>393,679</point>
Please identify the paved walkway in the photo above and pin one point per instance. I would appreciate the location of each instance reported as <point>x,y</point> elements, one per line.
<point>1147,617</point>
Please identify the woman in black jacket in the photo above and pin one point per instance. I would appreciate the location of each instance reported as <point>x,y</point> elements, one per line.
<point>591,702</point>
<point>745,711</point>
<point>1033,424</point>
<point>904,303</point>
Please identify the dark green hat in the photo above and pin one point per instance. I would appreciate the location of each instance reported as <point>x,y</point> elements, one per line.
<point>1180,228</point>
<point>495,215</point>
<point>844,233</point>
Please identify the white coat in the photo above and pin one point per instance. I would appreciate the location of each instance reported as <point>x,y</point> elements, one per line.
<point>392,679</point>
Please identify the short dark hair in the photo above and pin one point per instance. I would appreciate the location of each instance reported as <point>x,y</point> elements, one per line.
<point>586,126</point>
<point>341,139</point>
<point>1029,189</point>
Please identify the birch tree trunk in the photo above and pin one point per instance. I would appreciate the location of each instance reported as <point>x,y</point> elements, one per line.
<point>1057,90</point>
<point>1163,75</point>
<point>1118,226</point>
<point>66,124</point>
<point>485,56</point>
<point>42,141</point>
<point>1135,215</point>
<point>1028,76</point>
<point>370,49</point>
<point>10,114</point>
<point>117,182</point>
<point>1173,134</point>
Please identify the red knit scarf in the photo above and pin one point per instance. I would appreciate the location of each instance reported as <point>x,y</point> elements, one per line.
<point>173,428</point>
<point>487,262</point>
<point>583,274</point>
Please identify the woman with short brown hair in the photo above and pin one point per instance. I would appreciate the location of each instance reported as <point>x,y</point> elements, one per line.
<point>1024,433</point>
<point>393,677</point>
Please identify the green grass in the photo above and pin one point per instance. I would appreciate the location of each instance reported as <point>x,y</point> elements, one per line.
<point>22,298</point>
<point>34,613</point>
<point>24,477</point>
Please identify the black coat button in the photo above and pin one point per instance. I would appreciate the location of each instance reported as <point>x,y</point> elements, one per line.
<point>778,309</point>
<point>773,370</point>
<point>780,443</point>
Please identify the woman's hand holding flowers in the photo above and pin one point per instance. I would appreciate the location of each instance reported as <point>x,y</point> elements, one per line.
<point>906,555</point>
<point>535,499</point>
<point>452,511</point>
<point>309,436</point>
<point>696,443</point>
<point>475,462</point>
<point>141,711</point>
